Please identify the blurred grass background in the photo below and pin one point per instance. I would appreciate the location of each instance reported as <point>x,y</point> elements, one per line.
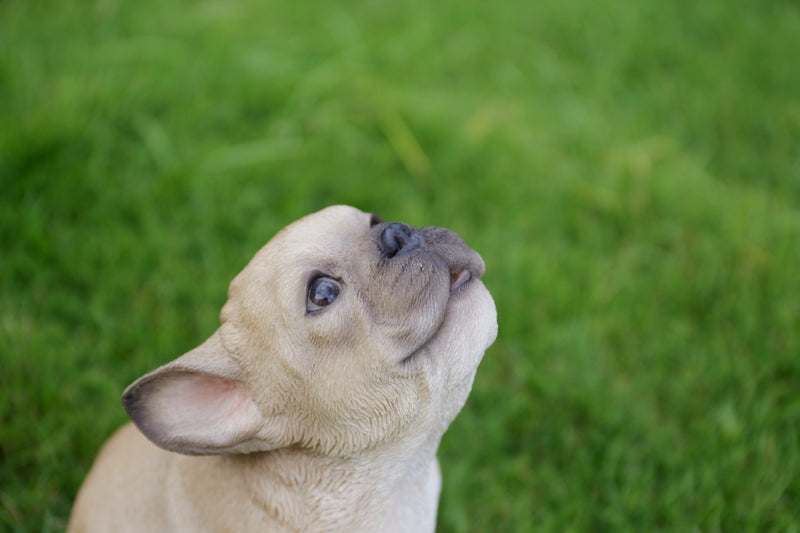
<point>630,172</point>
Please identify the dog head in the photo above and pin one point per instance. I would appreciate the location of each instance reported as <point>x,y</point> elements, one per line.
<point>342,333</point>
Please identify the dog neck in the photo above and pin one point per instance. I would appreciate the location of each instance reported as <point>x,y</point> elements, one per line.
<point>302,491</point>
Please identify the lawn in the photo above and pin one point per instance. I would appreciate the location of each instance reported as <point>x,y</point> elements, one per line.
<point>630,172</point>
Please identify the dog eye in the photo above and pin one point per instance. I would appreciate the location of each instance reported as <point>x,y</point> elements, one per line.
<point>321,293</point>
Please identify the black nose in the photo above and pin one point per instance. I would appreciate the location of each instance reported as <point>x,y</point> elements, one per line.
<point>399,238</point>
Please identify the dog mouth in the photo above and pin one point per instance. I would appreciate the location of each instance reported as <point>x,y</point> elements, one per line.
<point>450,264</point>
<point>459,279</point>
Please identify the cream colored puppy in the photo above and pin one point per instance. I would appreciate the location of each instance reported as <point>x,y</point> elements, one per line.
<point>347,346</point>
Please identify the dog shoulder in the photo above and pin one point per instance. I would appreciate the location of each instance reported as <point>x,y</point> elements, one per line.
<point>128,475</point>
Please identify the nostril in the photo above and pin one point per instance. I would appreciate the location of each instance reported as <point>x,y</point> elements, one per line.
<point>393,237</point>
<point>396,238</point>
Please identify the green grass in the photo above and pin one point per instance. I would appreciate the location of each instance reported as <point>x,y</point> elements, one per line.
<point>630,172</point>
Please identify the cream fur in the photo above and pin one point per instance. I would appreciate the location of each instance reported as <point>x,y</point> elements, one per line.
<point>287,419</point>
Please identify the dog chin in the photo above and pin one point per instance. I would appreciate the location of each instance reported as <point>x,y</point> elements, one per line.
<point>462,284</point>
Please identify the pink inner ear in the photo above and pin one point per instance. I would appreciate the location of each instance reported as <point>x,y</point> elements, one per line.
<point>205,410</point>
<point>205,399</point>
<point>207,389</point>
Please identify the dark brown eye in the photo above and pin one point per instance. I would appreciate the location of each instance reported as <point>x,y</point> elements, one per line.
<point>322,292</point>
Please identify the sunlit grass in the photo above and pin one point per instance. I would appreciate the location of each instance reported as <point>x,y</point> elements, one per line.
<point>629,171</point>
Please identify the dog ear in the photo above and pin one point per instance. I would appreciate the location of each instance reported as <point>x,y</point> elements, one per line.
<point>197,404</point>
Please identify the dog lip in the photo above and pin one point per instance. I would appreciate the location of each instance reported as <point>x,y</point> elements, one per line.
<point>459,279</point>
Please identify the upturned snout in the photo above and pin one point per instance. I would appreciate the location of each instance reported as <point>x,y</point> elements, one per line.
<point>396,240</point>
